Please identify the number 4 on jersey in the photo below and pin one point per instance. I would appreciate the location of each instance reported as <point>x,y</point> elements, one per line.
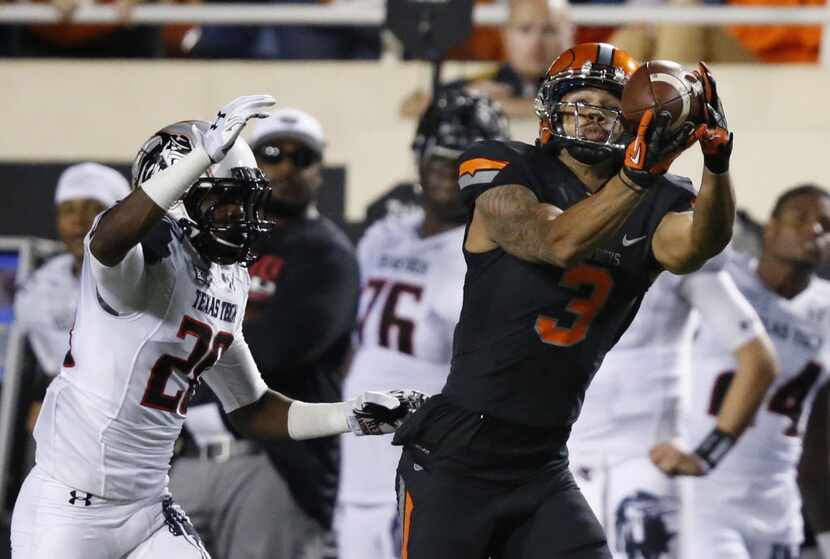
<point>788,400</point>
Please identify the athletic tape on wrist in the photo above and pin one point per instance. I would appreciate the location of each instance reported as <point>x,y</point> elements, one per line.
<point>166,187</point>
<point>714,447</point>
<point>311,421</point>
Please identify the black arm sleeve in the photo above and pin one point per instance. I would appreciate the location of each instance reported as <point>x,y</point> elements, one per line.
<point>313,307</point>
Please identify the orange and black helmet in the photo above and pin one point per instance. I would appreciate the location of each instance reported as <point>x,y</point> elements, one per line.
<point>598,65</point>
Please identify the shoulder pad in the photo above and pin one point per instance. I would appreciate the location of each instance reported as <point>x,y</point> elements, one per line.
<point>682,183</point>
<point>156,244</point>
<point>491,163</point>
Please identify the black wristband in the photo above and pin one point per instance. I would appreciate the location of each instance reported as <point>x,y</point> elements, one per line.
<point>714,447</point>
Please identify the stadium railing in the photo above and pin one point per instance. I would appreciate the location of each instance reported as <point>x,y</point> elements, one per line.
<point>372,12</point>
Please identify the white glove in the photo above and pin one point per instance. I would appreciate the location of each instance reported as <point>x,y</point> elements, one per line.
<point>229,122</point>
<point>379,413</point>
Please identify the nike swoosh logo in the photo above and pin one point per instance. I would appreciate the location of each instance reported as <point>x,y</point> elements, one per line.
<point>626,242</point>
<point>636,157</point>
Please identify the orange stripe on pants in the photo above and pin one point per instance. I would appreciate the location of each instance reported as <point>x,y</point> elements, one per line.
<point>407,525</point>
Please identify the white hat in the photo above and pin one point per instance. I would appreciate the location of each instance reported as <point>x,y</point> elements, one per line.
<point>289,123</point>
<point>91,180</point>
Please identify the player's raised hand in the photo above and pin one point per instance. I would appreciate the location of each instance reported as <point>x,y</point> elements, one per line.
<point>652,151</point>
<point>716,139</point>
<point>379,413</point>
<point>674,462</point>
<point>229,122</point>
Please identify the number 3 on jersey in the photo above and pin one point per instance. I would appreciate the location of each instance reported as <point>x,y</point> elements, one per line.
<point>584,308</point>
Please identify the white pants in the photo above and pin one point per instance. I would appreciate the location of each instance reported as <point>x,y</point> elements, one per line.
<point>52,520</point>
<point>367,531</point>
<point>636,504</point>
<point>741,519</point>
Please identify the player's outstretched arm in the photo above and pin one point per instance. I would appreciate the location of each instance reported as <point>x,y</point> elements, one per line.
<point>274,416</point>
<point>511,217</point>
<point>121,228</point>
<point>725,310</point>
<point>814,470</point>
<point>684,241</point>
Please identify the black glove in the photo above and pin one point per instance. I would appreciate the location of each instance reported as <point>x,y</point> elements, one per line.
<point>715,139</point>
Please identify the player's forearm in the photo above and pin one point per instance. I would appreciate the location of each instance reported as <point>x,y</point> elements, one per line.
<point>713,216</point>
<point>276,417</point>
<point>575,233</point>
<point>755,373</point>
<point>536,232</point>
<point>122,227</point>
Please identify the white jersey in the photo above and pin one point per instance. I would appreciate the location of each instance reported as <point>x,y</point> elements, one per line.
<point>411,298</point>
<point>771,447</point>
<point>112,416</point>
<point>633,401</point>
<point>44,309</point>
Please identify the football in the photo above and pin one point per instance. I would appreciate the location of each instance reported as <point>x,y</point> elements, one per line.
<point>663,85</point>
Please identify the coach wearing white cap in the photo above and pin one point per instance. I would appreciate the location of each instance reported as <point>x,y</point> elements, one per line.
<point>45,302</point>
<point>298,323</point>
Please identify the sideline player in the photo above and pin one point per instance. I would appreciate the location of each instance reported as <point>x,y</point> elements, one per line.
<point>564,239</point>
<point>749,505</point>
<point>163,291</point>
<point>412,278</point>
<point>635,402</point>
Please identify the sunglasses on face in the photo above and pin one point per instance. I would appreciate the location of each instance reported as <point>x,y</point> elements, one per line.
<point>301,157</point>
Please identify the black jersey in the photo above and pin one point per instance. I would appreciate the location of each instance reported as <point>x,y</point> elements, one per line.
<point>531,336</point>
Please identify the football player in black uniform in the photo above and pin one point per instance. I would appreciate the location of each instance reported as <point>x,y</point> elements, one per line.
<point>563,240</point>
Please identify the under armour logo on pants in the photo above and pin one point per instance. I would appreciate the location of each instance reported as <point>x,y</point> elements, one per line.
<point>75,496</point>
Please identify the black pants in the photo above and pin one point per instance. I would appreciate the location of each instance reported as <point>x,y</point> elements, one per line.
<point>474,487</point>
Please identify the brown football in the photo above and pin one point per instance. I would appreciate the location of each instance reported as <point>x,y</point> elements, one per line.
<point>663,85</point>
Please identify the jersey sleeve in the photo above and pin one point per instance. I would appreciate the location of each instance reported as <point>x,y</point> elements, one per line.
<point>486,165</point>
<point>679,194</point>
<point>120,287</point>
<point>235,378</point>
<point>722,308</point>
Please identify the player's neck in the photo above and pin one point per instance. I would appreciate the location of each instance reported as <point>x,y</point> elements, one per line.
<point>593,176</point>
<point>783,278</point>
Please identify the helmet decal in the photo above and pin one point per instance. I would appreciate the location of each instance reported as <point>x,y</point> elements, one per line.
<point>161,151</point>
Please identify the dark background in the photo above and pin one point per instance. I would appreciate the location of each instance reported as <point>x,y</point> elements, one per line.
<point>29,207</point>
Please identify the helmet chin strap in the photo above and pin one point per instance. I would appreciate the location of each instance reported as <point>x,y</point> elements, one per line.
<point>589,155</point>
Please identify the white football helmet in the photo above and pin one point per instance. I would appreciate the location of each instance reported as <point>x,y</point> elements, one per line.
<point>223,211</point>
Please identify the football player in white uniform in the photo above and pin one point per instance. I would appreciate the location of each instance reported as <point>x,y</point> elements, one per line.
<point>412,276</point>
<point>749,506</point>
<point>635,401</point>
<point>162,297</point>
